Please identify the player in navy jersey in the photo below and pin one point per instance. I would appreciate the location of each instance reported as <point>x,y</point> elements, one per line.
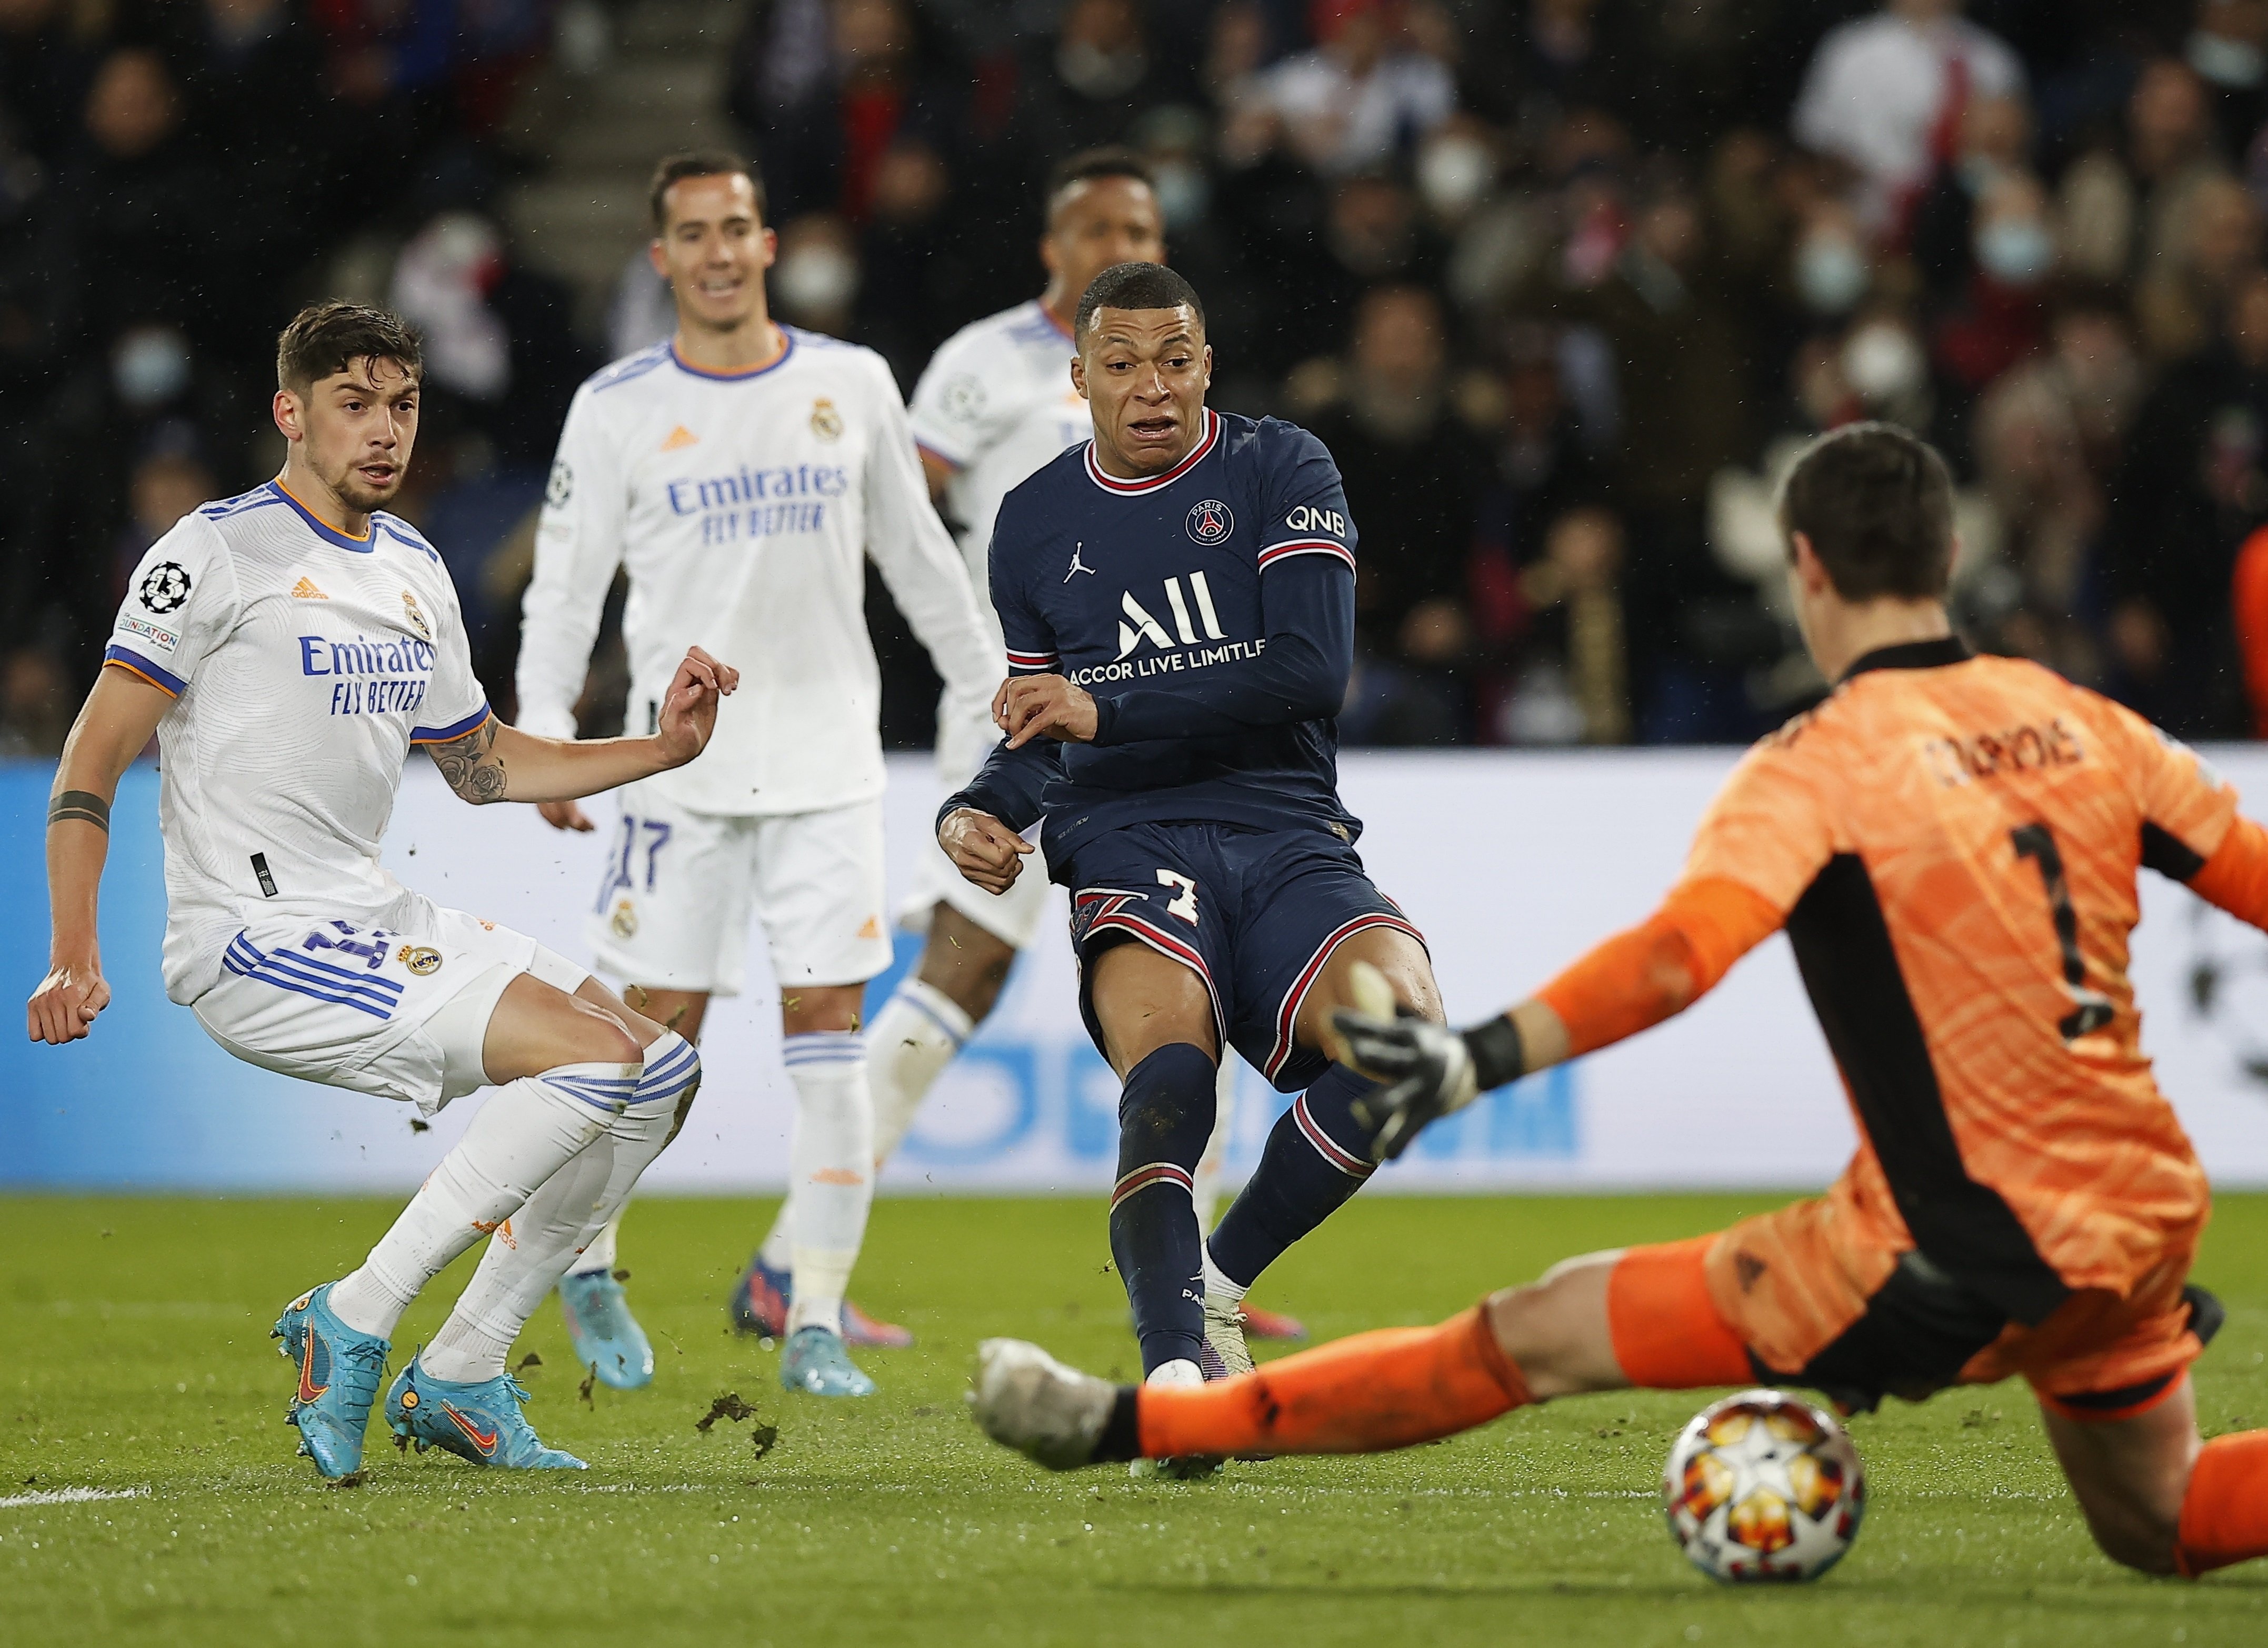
<point>1178,600</point>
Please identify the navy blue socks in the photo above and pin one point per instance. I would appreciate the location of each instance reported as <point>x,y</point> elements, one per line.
<point>1165,1115</point>
<point>1317,1156</point>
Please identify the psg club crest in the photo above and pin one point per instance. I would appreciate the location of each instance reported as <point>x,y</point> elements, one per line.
<point>1211,521</point>
<point>165,586</point>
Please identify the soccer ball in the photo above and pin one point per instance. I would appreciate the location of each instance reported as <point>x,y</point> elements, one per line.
<point>1762,1486</point>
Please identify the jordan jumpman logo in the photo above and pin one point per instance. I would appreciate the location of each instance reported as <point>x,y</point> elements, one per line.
<point>1077,565</point>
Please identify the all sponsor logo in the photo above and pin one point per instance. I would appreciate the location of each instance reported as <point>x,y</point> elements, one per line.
<point>1210,522</point>
<point>165,587</point>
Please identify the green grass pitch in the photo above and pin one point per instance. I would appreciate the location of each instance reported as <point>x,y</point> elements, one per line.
<point>133,1351</point>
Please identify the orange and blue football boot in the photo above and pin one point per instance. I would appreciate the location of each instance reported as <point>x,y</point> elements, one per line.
<point>478,1421</point>
<point>339,1370</point>
<point>762,1297</point>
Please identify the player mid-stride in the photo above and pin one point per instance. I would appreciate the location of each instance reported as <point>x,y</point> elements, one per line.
<point>289,648</point>
<point>993,405</point>
<point>1951,843</point>
<point>741,474</point>
<point>1178,599</point>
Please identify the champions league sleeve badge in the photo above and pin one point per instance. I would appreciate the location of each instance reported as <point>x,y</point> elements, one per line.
<point>165,587</point>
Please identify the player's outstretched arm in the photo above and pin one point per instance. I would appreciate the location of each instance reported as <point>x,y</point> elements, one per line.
<point>1631,982</point>
<point>495,762</point>
<point>113,726</point>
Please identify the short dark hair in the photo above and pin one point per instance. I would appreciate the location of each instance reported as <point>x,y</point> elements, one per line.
<point>1877,505</point>
<point>326,338</point>
<point>1134,286</point>
<point>698,163</point>
<point>1090,166</point>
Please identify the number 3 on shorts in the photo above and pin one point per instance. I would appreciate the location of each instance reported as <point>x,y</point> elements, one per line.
<point>1186,906</point>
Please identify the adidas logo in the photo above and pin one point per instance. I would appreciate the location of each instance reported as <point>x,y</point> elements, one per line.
<point>306,589</point>
<point>679,438</point>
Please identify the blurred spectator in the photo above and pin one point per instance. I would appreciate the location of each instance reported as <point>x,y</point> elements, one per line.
<point>2208,240</point>
<point>1368,89</point>
<point>1413,474</point>
<point>2193,484</point>
<point>45,67</point>
<point>1886,94</point>
<point>825,132</point>
<point>37,703</point>
<point>1090,85</point>
<point>169,481</point>
<point>2228,49</point>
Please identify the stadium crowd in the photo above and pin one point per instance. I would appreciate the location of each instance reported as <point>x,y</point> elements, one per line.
<point>1563,284</point>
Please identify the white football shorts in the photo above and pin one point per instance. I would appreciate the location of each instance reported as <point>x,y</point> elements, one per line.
<point>679,889</point>
<point>399,1010</point>
<point>1013,917</point>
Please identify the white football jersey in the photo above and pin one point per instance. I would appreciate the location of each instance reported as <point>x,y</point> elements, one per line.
<point>996,403</point>
<point>743,506</point>
<point>306,662</point>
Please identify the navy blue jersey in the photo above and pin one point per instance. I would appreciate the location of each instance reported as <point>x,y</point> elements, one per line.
<point>1210,610</point>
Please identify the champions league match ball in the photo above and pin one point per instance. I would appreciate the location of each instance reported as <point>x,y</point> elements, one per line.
<point>1763,1487</point>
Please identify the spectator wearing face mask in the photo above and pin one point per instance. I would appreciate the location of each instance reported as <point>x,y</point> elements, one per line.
<point>2228,48</point>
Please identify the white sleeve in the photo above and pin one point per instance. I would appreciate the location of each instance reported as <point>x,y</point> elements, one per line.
<point>578,545</point>
<point>950,415</point>
<point>1817,121</point>
<point>455,702</point>
<point>181,603</point>
<point>918,560</point>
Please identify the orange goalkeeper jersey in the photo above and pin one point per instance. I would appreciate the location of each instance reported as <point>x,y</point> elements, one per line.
<point>1951,844</point>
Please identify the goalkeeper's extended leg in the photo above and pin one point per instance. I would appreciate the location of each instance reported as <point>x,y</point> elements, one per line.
<point>1602,1322</point>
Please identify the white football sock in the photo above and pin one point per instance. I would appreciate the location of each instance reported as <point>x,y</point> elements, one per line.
<point>911,1040</point>
<point>1217,1280</point>
<point>526,1132</point>
<point>830,1171</point>
<point>599,1255</point>
<point>908,1045</point>
<point>535,1248</point>
<point>1204,1184</point>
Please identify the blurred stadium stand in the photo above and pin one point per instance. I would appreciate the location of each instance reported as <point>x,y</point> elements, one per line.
<point>1564,282</point>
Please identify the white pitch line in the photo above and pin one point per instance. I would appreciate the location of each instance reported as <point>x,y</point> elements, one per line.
<point>71,1496</point>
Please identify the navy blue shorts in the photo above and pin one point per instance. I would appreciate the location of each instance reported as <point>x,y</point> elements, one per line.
<point>1254,913</point>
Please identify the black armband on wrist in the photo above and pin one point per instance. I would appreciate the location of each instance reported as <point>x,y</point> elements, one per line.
<point>1498,1056</point>
<point>83,805</point>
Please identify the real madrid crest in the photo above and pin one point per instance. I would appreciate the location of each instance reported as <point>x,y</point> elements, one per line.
<point>413,617</point>
<point>825,421</point>
<point>419,960</point>
<point>624,920</point>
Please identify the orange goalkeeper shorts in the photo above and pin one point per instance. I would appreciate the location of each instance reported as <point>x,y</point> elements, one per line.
<point>1807,1305</point>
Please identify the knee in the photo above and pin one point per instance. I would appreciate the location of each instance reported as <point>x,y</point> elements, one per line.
<point>2135,1537</point>
<point>1551,1330</point>
<point>596,1037</point>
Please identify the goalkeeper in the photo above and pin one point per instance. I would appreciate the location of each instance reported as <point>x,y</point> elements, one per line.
<point>1952,844</point>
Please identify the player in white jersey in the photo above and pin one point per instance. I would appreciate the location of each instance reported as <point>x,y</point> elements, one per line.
<point>995,403</point>
<point>742,474</point>
<point>288,648</point>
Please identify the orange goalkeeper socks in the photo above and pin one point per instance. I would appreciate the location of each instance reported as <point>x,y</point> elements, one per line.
<point>2225,1512</point>
<point>1374,1391</point>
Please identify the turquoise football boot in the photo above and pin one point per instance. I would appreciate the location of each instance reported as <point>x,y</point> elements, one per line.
<point>815,1363</point>
<point>606,1337</point>
<point>339,1370</point>
<point>478,1421</point>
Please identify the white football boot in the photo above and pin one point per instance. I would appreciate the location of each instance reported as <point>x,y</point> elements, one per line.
<point>1024,1399</point>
